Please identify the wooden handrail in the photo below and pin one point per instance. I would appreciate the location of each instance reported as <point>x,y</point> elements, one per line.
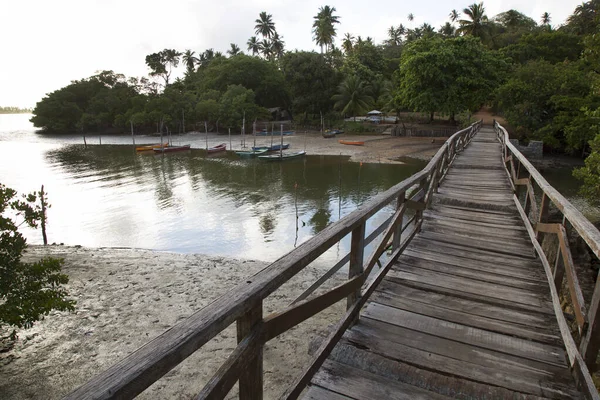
<point>243,304</point>
<point>583,359</point>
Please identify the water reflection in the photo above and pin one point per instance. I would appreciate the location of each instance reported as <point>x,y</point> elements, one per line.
<point>188,202</point>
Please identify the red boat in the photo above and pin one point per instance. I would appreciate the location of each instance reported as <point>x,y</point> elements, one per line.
<point>216,149</point>
<point>171,149</point>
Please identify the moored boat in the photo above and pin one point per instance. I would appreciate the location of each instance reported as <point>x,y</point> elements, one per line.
<point>248,154</point>
<point>282,156</point>
<point>328,135</point>
<point>150,147</point>
<point>352,142</point>
<point>171,149</point>
<point>217,148</point>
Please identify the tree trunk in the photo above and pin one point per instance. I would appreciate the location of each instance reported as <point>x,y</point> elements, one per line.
<point>43,218</point>
<point>431,116</point>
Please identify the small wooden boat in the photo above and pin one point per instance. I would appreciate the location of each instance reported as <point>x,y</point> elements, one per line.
<point>171,149</point>
<point>249,154</point>
<point>260,148</point>
<point>283,156</point>
<point>328,135</point>
<point>277,147</point>
<point>150,147</point>
<point>352,142</point>
<point>217,148</point>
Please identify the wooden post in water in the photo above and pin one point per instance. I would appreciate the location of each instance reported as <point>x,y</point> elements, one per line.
<point>251,377</point>
<point>132,136</point>
<point>43,217</point>
<point>272,132</point>
<point>230,148</point>
<point>206,134</point>
<point>183,121</point>
<point>84,141</point>
<point>281,147</point>
<point>254,134</point>
<point>100,138</point>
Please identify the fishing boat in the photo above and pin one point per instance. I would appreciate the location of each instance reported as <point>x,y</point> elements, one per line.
<point>171,149</point>
<point>275,147</point>
<point>150,147</point>
<point>217,148</point>
<point>328,135</point>
<point>249,154</point>
<point>282,156</point>
<point>352,142</point>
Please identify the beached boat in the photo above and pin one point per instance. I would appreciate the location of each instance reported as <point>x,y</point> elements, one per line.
<point>150,147</point>
<point>265,133</point>
<point>282,156</point>
<point>248,154</point>
<point>352,142</point>
<point>171,149</point>
<point>217,148</point>
<point>328,135</point>
<point>275,147</point>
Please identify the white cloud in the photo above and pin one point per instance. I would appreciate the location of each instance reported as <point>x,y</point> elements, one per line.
<point>46,44</point>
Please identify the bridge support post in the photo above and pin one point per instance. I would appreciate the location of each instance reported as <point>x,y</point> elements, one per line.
<point>251,377</point>
<point>590,344</point>
<point>357,250</point>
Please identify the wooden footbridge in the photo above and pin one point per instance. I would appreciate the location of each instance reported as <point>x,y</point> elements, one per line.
<point>467,305</point>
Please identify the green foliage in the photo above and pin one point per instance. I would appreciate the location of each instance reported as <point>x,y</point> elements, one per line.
<point>544,101</point>
<point>447,76</point>
<point>353,97</point>
<point>162,63</point>
<point>312,81</point>
<point>590,174</point>
<point>14,110</point>
<point>324,28</point>
<point>552,46</point>
<point>584,20</point>
<point>28,291</point>
<point>236,102</point>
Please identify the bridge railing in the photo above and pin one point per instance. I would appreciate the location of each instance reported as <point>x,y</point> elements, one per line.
<point>243,305</point>
<point>526,181</point>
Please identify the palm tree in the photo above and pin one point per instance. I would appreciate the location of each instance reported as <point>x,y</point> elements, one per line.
<point>253,45</point>
<point>454,15</point>
<point>477,24</point>
<point>348,43</point>
<point>353,97</point>
<point>266,47</point>
<point>369,40</point>
<point>394,35</point>
<point>401,29</point>
<point>448,30</point>
<point>234,50</point>
<point>411,17</point>
<point>218,54</point>
<point>323,27</point>
<point>264,25</point>
<point>546,18</point>
<point>426,29</point>
<point>190,60</point>
<point>277,45</point>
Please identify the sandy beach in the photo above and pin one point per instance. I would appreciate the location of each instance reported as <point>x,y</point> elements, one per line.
<point>126,297</point>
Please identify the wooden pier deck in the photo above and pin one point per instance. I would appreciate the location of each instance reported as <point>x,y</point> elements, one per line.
<point>465,312</point>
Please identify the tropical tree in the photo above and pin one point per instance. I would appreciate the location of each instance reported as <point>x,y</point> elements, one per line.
<point>254,45</point>
<point>394,36</point>
<point>477,25</point>
<point>277,45</point>
<point>190,60</point>
<point>545,19</point>
<point>234,49</point>
<point>448,30</point>
<point>324,30</point>
<point>454,15</point>
<point>264,25</point>
<point>162,63</point>
<point>353,97</point>
<point>583,21</point>
<point>347,43</point>
<point>266,47</point>
<point>411,17</point>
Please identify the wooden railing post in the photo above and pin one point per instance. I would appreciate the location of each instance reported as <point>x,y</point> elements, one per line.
<point>357,251</point>
<point>251,378</point>
<point>398,233</point>
<point>590,343</point>
<point>543,217</point>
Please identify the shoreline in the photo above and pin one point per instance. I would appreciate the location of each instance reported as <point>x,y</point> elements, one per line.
<point>127,297</point>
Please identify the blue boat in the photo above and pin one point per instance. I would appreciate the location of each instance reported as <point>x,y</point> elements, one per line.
<point>283,156</point>
<point>275,147</point>
<point>249,154</point>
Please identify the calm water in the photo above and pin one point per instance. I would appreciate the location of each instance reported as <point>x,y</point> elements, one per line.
<point>186,202</point>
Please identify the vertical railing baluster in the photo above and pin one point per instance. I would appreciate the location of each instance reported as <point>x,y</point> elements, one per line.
<point>590,342</point>
<point>251,377</point>
<point>543,217</point>
<point>398,233</point>
<point>357,251</point>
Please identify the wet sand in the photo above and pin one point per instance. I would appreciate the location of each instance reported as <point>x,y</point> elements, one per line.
<point>126,297</point>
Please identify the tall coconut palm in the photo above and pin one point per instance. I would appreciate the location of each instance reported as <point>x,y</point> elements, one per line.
<point>266,47</point>
<point>190,60</point>
<point>426,29</point>
<point>394,36</point>
<point>264,25</point>
<point>477,24</point>
<point>411,17</point>
<point>546,18</point>
<point>448,30</point>
<point>401,30</point>
<point>324,30</point>
<point>353,97</point>
<point>277,45</point>
<point>253,45</point>
<point>348,43</point>
<point>234,49</point>
<point>454,15</point>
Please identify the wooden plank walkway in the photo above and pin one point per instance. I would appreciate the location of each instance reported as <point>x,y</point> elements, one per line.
<point>466,310</point>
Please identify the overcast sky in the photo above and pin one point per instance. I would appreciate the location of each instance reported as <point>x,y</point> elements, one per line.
<point>47,43</point>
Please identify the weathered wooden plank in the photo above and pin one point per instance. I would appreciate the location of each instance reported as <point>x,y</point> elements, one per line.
<point>572,280</point>
<point>251,377</point>
<point>318,393</point>
<point>491,235</point>
<point>445,384</point>
<point>361,385</point>
<point>357,249</point>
